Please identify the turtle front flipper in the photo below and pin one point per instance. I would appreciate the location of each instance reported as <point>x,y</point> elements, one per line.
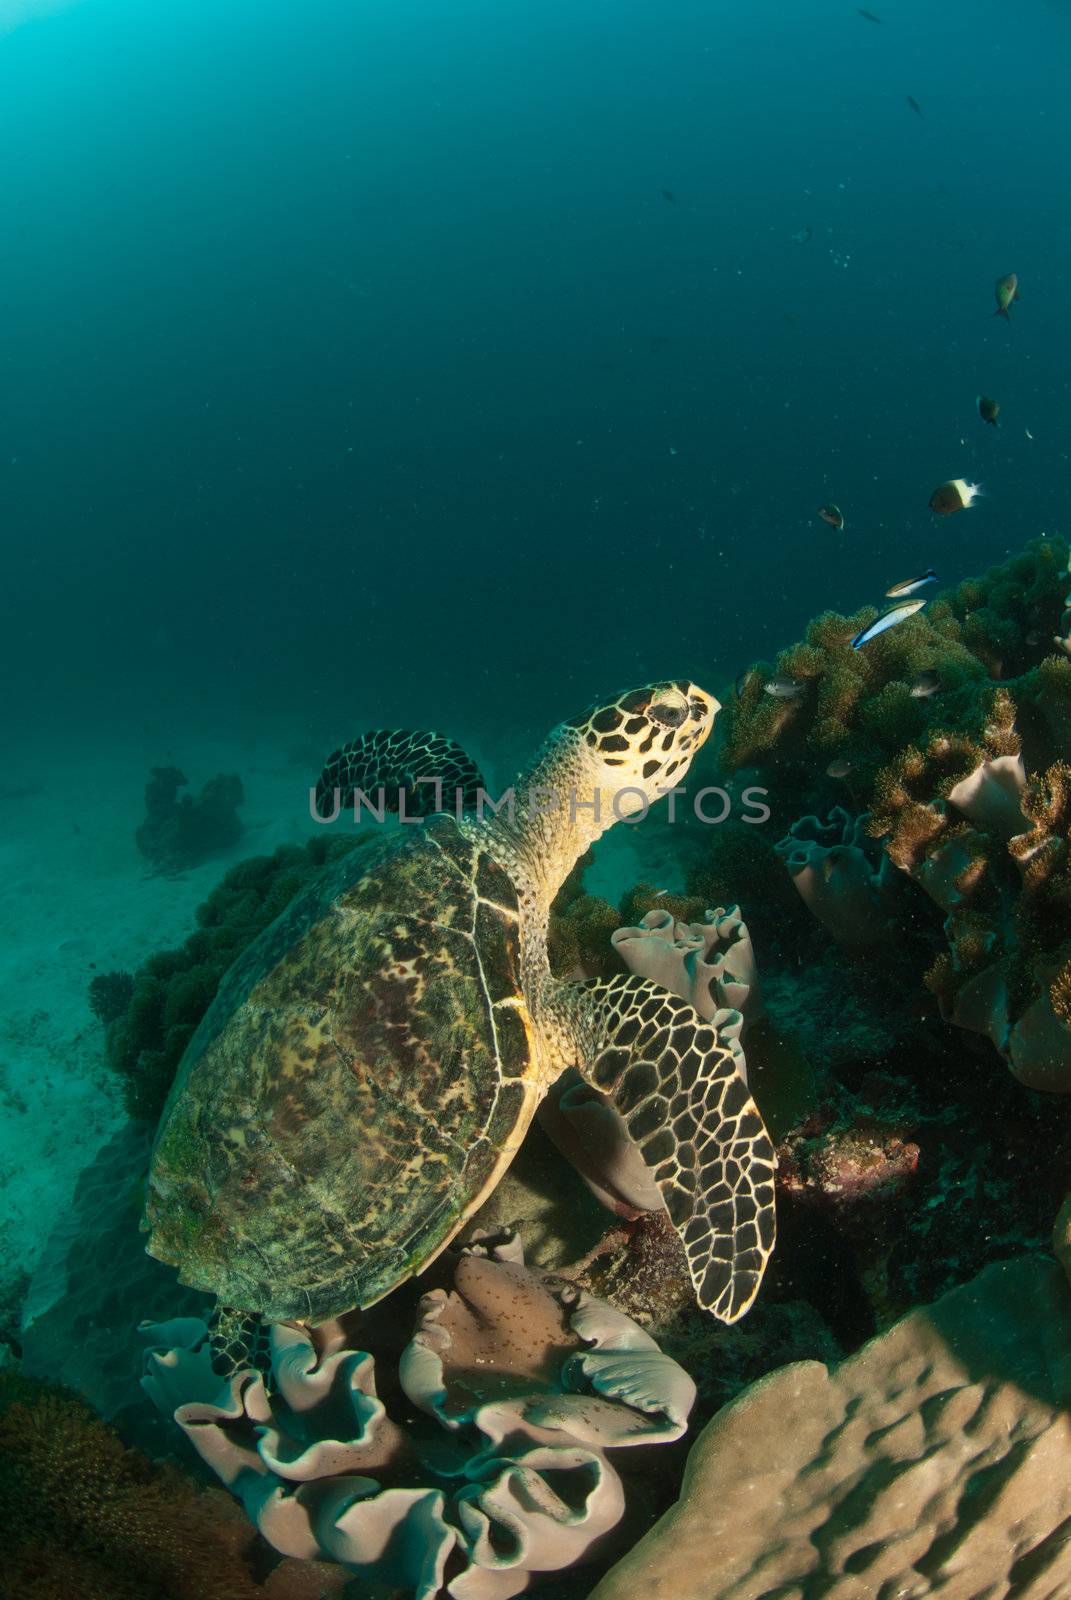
<point>424,772</point>
<point>687,1106</point>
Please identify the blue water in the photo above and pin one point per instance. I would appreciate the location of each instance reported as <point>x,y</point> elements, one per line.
<point>354,361</point>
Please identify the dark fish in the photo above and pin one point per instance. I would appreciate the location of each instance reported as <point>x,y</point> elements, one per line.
<point>667,194</point>
<point>913,103</point>
<point>926,684</point>
<point>889,620</point>
<point>742,682</point>
<point>784,688</point>
<point>869,15</point>
<point>900,591</point>
<point>988,410</point>
<point>955,495</point>
<point>801,236</point>
<point>833,515</point>
<point>1006,290</point>
<point>839,768</point>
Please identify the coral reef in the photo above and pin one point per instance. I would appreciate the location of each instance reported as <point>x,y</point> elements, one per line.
<point>578,940</point>
<point>952,735</point>
<point>110,993</point>
<point>1004,888</point>
<point>931,1462</point>
<point>858,705</point>
<point>846,1171</point>
<point>520,1384</point>
<point>84,1515</point>
<point>174,989</point>
<point>179,832</point>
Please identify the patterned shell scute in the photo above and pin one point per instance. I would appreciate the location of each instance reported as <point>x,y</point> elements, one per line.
<point>349,1095</point>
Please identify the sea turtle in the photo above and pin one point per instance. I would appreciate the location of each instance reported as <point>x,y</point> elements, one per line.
<point>371,1062</point>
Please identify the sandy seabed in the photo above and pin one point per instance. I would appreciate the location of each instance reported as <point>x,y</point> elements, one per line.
<point>79,899</point>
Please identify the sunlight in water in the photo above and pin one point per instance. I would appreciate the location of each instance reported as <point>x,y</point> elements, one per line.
<point>15,12</point>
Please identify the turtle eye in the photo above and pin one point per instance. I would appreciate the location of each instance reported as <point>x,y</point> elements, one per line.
<point>669,709</point>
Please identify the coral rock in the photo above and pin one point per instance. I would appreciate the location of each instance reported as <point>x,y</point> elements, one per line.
<point>932,1462</point>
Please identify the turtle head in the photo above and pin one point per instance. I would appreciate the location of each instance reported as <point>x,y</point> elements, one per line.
<point>643,741</point>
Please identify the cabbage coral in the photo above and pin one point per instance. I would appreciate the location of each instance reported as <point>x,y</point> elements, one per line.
<point>470,1461</point>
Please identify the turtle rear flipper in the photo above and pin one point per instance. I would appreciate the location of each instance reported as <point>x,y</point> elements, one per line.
<point>238,1340</point>
<point>424,772</point>
<point>686,1104</point>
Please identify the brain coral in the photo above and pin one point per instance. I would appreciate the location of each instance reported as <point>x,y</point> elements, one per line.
<point>932,1462</point>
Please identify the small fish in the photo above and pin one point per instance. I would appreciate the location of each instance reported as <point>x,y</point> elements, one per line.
<point>900,591</point>
<point>889,620</point>
<point>913,103</point>
<point>1028,433</point>
<point>955,495</point>
<point>926,684</point>
<point>833,515</point>
<point>1006,290</point>
<point>667,194</point>
<point>988,409</point>
<point>742,682</point>
<point>659,893</point>
<point>784,688</point>
<point>801,235</point>
<point>869,15</point>
<point>839,768</point>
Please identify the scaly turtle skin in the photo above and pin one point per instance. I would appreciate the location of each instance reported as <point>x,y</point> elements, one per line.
<point>371,1063</point>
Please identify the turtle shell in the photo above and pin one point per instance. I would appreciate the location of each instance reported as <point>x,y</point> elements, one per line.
<point>360,1082</point>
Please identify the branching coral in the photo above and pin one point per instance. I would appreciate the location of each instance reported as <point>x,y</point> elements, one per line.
<point>578,942</point>
<point>925,792</point>
<point>110,993</point>
<point>83,1515</point>
<point>1060,993</point>
<point>520,1385</point>
<point>866,705</point>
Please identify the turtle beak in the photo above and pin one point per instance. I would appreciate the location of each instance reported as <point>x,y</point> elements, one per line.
<point>703,708</point>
